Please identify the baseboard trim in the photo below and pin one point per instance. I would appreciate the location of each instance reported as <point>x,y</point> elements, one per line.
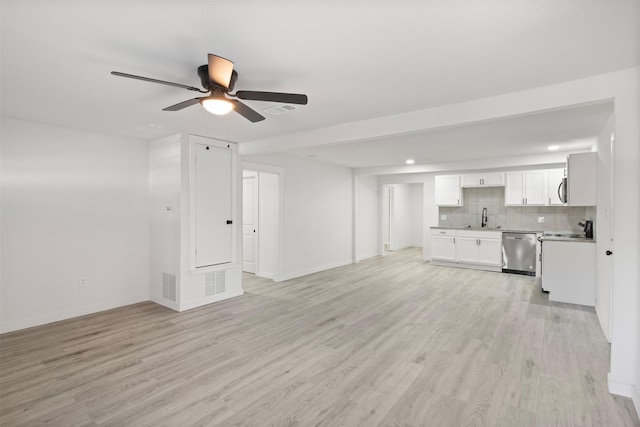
<point>606,333</point>
<point>300,273</point>
<point>618,388</point>
<point>58,316</point>
<point>266,275</point>
<point>209,300</point>
<point>164,302</point>
<point>635,398</point>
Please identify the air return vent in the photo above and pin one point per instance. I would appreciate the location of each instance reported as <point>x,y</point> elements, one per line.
<point>280,109</point>
<point>214,283</point>
<point>169,286</point>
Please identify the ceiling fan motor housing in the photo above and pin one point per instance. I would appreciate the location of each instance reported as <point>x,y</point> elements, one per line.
<point>203,73</point>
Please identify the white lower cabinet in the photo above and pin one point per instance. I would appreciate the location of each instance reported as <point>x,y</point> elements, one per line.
<point>443,245</point>
<point>467,248</point>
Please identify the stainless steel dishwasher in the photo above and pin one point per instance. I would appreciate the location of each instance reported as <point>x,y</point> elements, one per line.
<point>519,253</point>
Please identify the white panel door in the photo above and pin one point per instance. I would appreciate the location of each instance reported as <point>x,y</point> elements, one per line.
<point>443,248</point>
<point>535,186</point>
<point>249,222</point>
<point>514,189</point>
<point>447,190</point>
<point>490,252</point>
<point>555,179</point>
<point>466,249</point>
<point>212,194</point>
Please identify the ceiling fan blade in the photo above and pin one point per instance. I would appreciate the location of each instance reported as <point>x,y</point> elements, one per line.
<point>183,104</point>
<point>220,70</point>
<point>245,111</point>
<point>288,98</point>
<point>147,79</point>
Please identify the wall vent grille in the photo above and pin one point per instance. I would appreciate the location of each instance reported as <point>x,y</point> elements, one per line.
<point>214,283</point>
<point>281,109</point>
<point>169,286</point>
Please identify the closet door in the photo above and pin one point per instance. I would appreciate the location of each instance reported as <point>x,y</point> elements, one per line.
<point>212,204</point>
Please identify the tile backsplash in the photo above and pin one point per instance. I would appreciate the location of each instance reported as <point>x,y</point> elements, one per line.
<point>556,218</point>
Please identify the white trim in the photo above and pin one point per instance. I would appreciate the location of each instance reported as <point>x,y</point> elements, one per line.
<point>300,273</point>
<point>279,171</point>
<point>571,299</point>
<point>264,275</point>
<point>621,389</point>
<point>604,331</point>
<point>635,398</point>
<point>71,313</point>
<point>173,305</point>
<point>208,300</point>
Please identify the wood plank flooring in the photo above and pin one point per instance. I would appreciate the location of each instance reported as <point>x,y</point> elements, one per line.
<point>390,341</point>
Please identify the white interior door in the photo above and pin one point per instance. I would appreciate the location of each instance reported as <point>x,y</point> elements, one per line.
<point>249,221</point>
<point>604,234</point>
<point>212,205</point>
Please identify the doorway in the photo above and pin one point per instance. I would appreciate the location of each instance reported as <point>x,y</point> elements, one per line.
<point>262,221</point>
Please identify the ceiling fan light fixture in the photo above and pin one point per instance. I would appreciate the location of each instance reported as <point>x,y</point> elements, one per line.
<point>216,105</point>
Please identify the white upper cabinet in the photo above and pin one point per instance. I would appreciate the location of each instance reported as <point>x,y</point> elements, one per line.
<point>553,184</point>
<point>448,191</point>
<point>526,188</point>
<point>483,180</point>
<point>581,179</point>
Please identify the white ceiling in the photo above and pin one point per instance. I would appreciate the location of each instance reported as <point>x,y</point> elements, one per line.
<point>356,60</point>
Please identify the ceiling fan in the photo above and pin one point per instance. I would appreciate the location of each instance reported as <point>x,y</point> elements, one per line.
<point>218,78</point>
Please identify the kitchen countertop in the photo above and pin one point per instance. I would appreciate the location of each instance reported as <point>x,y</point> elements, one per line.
<point>544,238</point>
<point>506,230</point>
<point>548,238</point>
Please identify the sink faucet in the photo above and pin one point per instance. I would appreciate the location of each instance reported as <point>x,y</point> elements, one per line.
<point>484,217</point>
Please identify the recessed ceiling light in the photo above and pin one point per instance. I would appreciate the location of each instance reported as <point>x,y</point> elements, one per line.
<point>553,147</point>
<point>410,161</point>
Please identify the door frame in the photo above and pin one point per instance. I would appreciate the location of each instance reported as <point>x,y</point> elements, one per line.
<point>279,235</point>
<point>256,218</point>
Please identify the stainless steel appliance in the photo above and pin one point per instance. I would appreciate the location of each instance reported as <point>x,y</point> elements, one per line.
<point>519,253</point>
<point>562,190</point>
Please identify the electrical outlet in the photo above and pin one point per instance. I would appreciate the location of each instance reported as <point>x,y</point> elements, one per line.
<point>443,217</point>
<point>83,282</point>
<point>540,219</point>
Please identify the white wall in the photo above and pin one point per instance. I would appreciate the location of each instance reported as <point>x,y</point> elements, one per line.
<point>406,217</point>
<point>368,217</point>
<point>74,204</point>
<point>429,211</point>
<point>318,207</point>
<point>267,224</point>
<point>164,189</point>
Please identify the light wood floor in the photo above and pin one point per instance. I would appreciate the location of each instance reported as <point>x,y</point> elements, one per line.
<point>389,341</point>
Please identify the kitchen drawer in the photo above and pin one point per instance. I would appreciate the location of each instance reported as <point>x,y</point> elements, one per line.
<point>480,234</point>
<point>442,232</point>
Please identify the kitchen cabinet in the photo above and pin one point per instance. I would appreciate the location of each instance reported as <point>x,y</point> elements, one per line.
<point>479,247</point>
<point>569,271</point>
<point>483,180</point>
<point>525,188</point>
<point>581,179</point>
<point>467,248</point>
<point>554,180</point>
<point>448,191</point>
<point>443,245</point>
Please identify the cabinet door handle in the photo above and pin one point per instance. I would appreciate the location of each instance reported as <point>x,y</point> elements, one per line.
<point>523,200</point>
<point>454,240</point>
